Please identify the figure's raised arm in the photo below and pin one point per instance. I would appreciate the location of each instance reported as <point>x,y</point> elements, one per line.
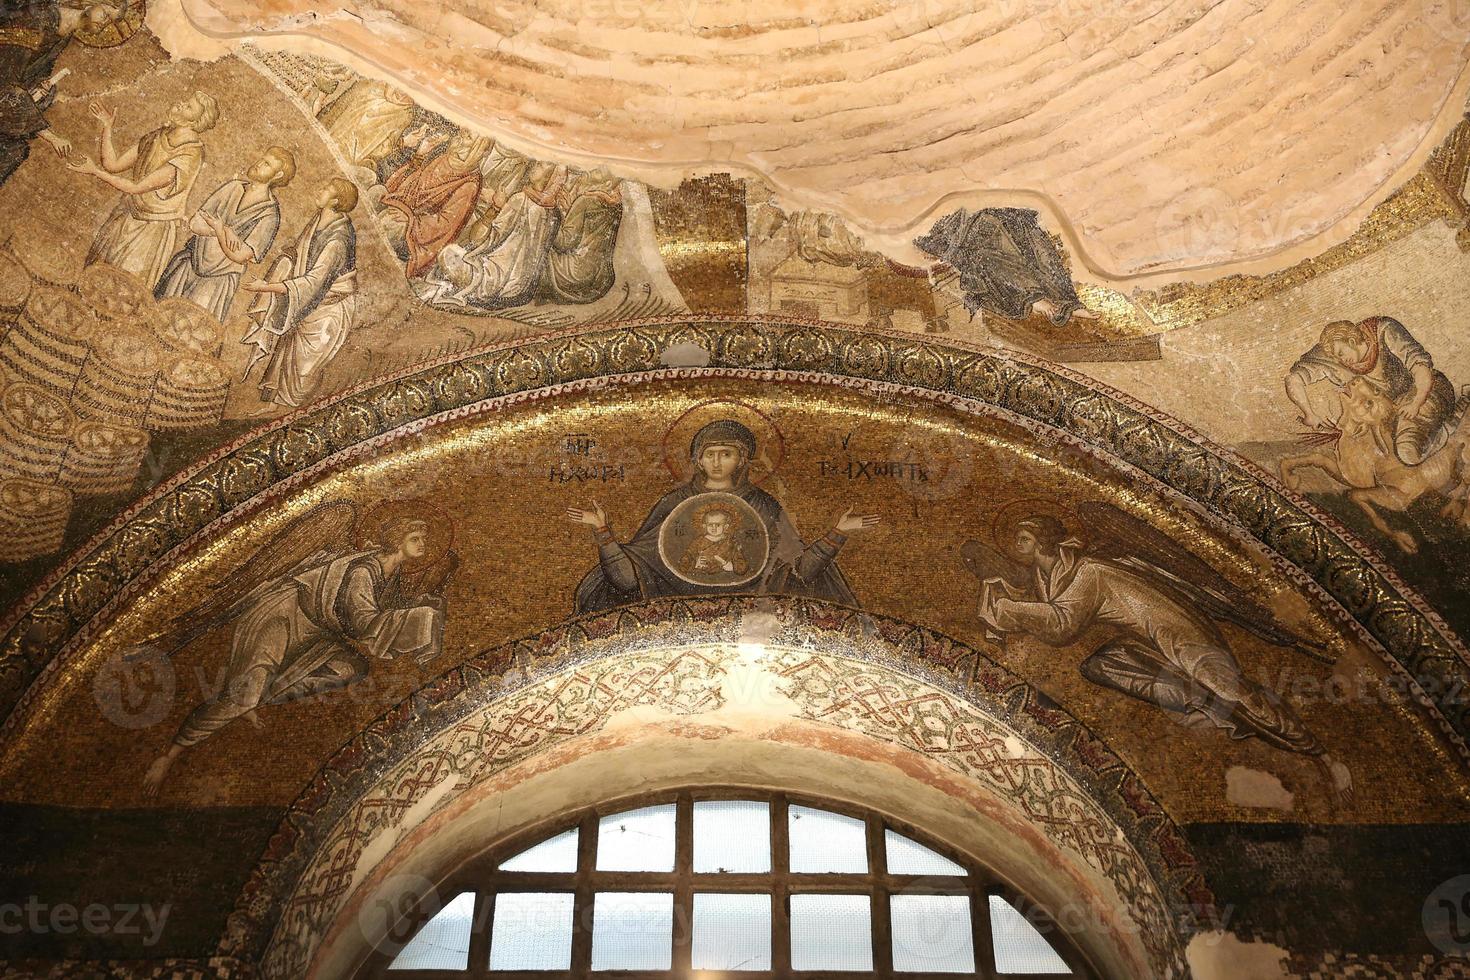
<point>595,518</point>
<point>112,161</point>
<point>850,523</point>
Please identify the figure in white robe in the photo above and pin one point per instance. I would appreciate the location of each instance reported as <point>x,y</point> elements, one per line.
<point>503,171</point>
<point>155,177</point>
<point>307,626</point>
<point>368,120</point>
<point>234,227</point>
<point>504,270</point>
<point>307,304</point>
<point>1158,603</point>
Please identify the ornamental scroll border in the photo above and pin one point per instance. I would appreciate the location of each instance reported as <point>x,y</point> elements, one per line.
<point>1170,873</point>
<point>66,608</point>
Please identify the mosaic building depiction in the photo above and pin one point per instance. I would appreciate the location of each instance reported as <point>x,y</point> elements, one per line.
<point>910,489</point>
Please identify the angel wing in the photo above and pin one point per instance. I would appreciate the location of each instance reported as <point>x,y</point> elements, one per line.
<point>985,562</point>
<point>1123,538</point>
<point>310,537</point>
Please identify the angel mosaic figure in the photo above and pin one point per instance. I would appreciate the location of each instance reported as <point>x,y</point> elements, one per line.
<point>1163,604</point>
<point>774,558</point>
<point>309,612</point>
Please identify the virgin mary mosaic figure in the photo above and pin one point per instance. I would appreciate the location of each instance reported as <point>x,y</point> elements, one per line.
<point>716,533</point>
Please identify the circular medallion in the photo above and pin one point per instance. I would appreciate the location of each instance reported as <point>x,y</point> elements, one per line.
<point>714,540</point>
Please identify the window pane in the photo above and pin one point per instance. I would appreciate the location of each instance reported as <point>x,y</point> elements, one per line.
<point>632,931</point>
<point>554,855</point>
<point>931,933</point>
<point>827,842</point>
<point>1019,948</point>
<point>831,932</point>
<point>732,932</point>
<point>532,931</point>
<point>637,840</point>
<point>732,836</point>
<point>907,857</point>
<point>444,941</point>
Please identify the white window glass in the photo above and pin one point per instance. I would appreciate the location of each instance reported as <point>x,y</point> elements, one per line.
<point>632,931</point>
<point>931,933</point>
<point>443,943</point>
<point>907,857</point>
<point>732,836</point>
<point>822,841</point>
<point>831,932</point>
<point>732,932</point>
<point>1019,948</point>
<point>637,840</point>
<point>532,931</point>
<point>555,855</point>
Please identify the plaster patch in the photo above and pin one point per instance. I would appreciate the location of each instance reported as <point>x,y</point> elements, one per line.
<point>1221,956</point>
<point>1256,788</point>
<point>686,354</point>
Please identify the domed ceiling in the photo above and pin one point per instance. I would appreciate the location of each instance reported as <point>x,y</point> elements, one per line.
<point>1060,405</point>
<point>1163,135</point>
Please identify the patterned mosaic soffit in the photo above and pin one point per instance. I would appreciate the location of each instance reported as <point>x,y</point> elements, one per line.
<point>893,681</point>
<point>68,608</point>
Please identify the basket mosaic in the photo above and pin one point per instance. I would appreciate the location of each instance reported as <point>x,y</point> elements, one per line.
<point>50,341</point>
<point>190,394</point>
<point>33,518</point>
<point>103,458</point>
<point>113,293</point>
<point>117,381</point>
<point>36,429</point>
<point>185,328</point>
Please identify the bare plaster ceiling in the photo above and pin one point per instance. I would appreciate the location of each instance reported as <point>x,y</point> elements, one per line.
<point>1162,135</point>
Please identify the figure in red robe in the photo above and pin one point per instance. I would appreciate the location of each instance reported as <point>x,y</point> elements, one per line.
<point>428,200</point>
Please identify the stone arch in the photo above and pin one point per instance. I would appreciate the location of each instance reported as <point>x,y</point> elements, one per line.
<point>770,684</point>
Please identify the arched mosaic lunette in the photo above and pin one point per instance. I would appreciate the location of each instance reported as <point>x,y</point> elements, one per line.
<point>55,616</point>
<point>1151,864</point>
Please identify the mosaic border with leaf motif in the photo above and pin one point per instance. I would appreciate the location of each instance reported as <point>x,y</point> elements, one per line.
<point>62,611</point>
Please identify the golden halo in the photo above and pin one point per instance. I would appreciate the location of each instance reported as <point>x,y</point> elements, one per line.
<point>770,444</point>
<point>441,529</point>
<point>119,30</point>
<point>1003,525</point>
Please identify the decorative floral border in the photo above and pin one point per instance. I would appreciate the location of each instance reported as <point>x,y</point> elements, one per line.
<point>69,606</point>
<point>1117,827</point>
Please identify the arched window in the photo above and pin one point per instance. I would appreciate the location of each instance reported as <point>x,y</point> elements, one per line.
<point>736,882</point>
